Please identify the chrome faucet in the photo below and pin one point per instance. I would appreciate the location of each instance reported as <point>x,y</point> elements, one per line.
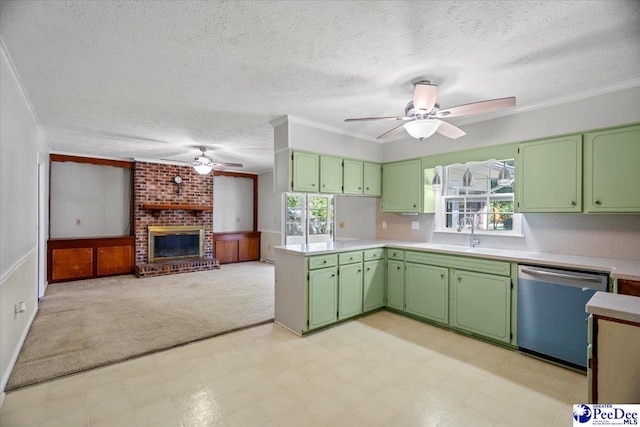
<point>469,219</point>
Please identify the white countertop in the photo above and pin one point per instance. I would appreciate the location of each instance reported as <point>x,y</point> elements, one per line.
<point>618,268</point>
<point>616,306</point>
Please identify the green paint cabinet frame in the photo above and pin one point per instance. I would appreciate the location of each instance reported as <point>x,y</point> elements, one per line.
<point>612,170</point>
<point>372,177</point>
<point>323,297</point>
<point>395,284</point>
<point>402,186</point>
<point>330,175</point>
<point>427,291</point>
<point>352,177</point>
<point>349,290</point>
<point>373,285</point>
<point>306,172</point>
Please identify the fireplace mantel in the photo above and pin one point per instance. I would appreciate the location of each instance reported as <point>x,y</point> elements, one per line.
<point>156,209</point>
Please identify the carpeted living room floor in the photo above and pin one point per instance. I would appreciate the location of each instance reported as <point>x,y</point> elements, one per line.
<point>89,323</point>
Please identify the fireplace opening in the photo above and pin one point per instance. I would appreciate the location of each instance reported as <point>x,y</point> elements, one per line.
<point>175,242</point>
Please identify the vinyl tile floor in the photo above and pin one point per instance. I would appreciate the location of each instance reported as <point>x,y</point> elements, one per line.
<point>379,370</point>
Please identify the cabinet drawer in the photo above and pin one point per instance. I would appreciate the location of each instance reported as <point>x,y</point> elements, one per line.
<point>395,254</point>
<point>372,254</point>
<point>350,257</point>
<point>322,261</point>
<point>502,268</point>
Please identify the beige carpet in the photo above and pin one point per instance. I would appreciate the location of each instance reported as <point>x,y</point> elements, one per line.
<point>90,323</point>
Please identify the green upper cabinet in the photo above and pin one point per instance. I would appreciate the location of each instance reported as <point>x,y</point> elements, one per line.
<point>373,284</point>
<point>330,174</point>
<point>350,290</point>
<point>306,174</point>
<point>372,179</point>
<point>427,292</point>
<point>612,170</point>
<point>323,297</point>
<point>352,176</point>
<point>549,175</point>
<point>395,284</point>
<point>481,303</point>
<point>402,186</point>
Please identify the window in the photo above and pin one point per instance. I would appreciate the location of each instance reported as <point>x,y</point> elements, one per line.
<point>485,202</point>
<point>308,218</point>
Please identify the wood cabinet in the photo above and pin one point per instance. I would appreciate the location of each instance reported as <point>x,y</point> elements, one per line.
<point>427,292</point>
<point>323,297</point>
<point>73,259</point>
<point>306,173</point>
<point>481,304</point>
<point>352,177</point>
<point>237,247</point>
<point>611,173</point>
<point>402,186</point>
<point>549,175</point>
<point>349,290</point>
<point>395,284</point>
<point>372,179</point>
<point>330,174</point>
<point>373,285</point>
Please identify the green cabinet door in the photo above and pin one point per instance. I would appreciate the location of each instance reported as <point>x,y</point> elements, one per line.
<point>402,186</point>
<point>612,172</point>
<point>349,290</point>
<point>481,303</point>
<point>305,172</point>
<point>427,291</point>
<point>374,280</point>
<point>352,176</point>
<point>395,284</point>
<point>330,175</point>
<point>549,175</point>
<point>372,177</point>
<point>323,297</point>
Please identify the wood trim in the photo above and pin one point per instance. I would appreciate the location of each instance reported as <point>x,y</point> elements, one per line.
<point>594,361</point>
<point>629,287</point>
<point>156,209</point>
<point>236,235</point>
<point>104,162</point>
<point>255,191</point>
<point>622,321</point>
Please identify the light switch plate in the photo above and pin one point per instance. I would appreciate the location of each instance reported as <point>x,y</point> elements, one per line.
<point>384,225</point>
<point>415,225</point>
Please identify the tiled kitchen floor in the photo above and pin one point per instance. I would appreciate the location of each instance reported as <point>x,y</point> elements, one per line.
<point>380,370</point>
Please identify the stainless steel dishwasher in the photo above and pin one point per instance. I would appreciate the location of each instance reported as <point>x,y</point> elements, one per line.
<point>551,312</point>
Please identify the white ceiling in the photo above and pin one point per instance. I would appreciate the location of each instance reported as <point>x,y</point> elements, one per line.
<point>155,79</point>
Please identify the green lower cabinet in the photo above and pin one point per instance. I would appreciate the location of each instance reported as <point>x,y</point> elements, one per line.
<point>481,303</point>
<point>350,290</point>
<point>395,284</point>
<point>427,292</point>
<point>373,284</point>
<point>323,297</point>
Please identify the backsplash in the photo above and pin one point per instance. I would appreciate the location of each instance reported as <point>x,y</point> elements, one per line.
<point>597,235</point>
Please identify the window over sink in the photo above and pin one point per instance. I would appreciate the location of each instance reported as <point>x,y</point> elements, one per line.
<point>478,192</point>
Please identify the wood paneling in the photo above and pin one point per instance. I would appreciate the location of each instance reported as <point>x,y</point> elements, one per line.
<point>114,260</point>
<point>629,287</point>
<point>91,160</point>
<point>249,249</point>
<point>72,263</point>
<point>226,251</point>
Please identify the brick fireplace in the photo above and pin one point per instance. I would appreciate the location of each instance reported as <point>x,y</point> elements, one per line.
<point>172,205</point>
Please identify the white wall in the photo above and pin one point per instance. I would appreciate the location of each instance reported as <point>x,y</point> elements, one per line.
<point>269,215</point>
<point>96,196</point>
<point>600,235</point>
<point>232,204</point>
<point>21,145</point>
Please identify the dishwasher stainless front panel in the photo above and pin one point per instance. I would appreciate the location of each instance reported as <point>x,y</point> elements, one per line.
<point>551,312</point>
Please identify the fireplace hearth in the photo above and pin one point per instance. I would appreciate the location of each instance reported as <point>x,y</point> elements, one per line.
<point>169,243</point>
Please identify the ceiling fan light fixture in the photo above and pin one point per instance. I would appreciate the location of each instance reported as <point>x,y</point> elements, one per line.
<point>423,128</point>
<point>203,168</point>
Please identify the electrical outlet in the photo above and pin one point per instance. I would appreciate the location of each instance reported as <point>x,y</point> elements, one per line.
<point>21,307</point>
<point>78,221</point>
<point>341,224</point>
<point>415,225</point>
<point>384,225</point>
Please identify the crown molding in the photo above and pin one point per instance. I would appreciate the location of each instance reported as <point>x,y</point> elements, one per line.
<point>321,126</point>
<point>16,77</point>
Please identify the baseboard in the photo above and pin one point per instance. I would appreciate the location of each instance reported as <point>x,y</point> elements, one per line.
<point>2,395</point>
<point>16,353</point>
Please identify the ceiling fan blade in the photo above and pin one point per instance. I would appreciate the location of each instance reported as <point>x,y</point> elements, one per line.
<point>391,132</point>
<point>478,107</point>
<point>449,130</point>
<point>227,165</point>
<point>378,118</point>
<point>424,96</point>
<point>176,161</point>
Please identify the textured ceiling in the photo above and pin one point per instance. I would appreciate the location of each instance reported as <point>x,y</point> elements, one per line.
<point>156,79</point>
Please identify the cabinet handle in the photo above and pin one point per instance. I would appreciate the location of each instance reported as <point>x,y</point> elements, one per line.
<point>573,203</point>
<point>368,269</point>
<point>442,276</point>
<point>414,206</point>
<point>324,262</point>
<point>459,279</point>
<point>359,188</point>
<point>359,271</point>
<point>333,275</point>
<point>398,267</point>
<point>367,188</point>
<point>324,185</point>
<point>313,184</point>
<point>598,202</point>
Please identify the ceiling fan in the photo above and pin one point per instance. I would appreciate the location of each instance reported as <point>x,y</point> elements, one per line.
<point>423,115</point>
<point>204,164</point>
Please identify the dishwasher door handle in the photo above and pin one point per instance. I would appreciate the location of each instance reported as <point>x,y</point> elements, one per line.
<point>534,272</point>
